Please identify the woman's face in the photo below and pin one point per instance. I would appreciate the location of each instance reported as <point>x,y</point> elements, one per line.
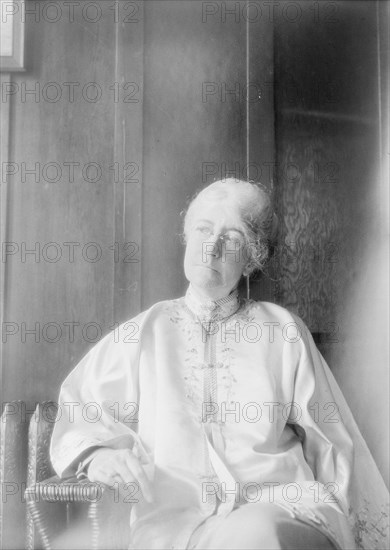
<point>215,254</point>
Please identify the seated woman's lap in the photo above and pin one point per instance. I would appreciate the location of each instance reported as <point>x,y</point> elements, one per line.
<point>258,526</point>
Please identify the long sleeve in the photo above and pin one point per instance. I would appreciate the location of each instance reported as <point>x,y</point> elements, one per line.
<point>327,445</point>
<point>97,405</point>
<point>335,449</point>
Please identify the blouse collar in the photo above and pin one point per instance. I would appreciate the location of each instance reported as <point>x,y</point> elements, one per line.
<point>209,310</point>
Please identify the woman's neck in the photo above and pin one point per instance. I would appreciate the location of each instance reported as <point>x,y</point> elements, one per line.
<point>213,296</point>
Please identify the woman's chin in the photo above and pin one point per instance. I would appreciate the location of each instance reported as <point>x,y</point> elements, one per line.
<point>204,277</point>
<point>209,280</point>
<point>205,286</point>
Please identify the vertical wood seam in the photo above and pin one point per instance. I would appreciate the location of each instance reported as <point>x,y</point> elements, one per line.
<point>128,147</point>
<point>4,153</point>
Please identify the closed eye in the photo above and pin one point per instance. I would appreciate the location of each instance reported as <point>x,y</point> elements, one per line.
<point>233,237</point>
<point>205,230</point>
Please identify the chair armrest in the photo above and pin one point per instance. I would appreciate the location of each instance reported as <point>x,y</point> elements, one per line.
<point>66,491</point>
<point>71,489</point>
<point>108,512</point>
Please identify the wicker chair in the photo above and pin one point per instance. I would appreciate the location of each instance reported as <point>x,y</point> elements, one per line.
<point>59,513</point>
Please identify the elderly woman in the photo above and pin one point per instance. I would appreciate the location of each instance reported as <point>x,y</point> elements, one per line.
<point>219,411</point>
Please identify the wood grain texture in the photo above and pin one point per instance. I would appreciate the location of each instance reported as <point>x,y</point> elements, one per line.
<point>195,123</point>
<point>128,154</point>
<point>69,292</point>
<point>150,133</point>
<point>307,199</point>
<point>326,152</point>
<point>4,159</point>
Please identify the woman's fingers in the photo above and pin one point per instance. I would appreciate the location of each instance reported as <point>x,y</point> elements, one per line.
<point>113,466</point>
<point>104,466</point>
<point>99,468</point>
<point>123,472</point>
<point>99,475</point>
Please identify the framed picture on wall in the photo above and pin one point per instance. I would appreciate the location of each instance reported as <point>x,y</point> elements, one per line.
<point>12,35</point>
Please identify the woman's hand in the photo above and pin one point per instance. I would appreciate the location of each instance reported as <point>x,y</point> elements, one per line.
<point>111,466</point>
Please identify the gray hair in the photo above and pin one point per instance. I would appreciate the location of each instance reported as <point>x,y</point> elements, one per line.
<point>255,205</point>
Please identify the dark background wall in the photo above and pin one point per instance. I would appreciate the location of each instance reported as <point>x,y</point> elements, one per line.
<point>331,97</point>
<point>166,124</point>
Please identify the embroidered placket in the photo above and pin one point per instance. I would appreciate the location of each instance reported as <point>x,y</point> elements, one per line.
<point>209,399</point>
<point>208,314</point>
<point>214,439</point>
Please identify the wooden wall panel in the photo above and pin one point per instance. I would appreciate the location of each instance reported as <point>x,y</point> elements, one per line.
<point>184,130</point>
<point>195,121</point>
<point>128,158</point>
<point>150,133</point>
<point>41,211</point>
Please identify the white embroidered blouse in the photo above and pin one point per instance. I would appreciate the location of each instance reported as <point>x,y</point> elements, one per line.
<point>227,403</point>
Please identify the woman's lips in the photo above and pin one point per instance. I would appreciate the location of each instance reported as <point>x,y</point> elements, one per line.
<point>207,267</point>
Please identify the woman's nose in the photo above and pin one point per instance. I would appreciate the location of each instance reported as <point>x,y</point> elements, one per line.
<point>216,242</point>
